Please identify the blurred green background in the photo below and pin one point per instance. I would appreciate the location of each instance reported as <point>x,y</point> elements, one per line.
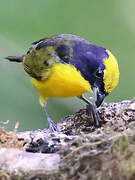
<point>107,23</point>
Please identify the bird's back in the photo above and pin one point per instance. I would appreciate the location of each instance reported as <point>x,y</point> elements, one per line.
<point>76,51</point>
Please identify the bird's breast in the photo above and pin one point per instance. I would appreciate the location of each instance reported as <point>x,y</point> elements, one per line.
<point>64,81</point>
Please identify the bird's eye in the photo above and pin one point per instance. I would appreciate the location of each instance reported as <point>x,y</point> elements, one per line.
<point>46,63</point>
<point>99,73</point>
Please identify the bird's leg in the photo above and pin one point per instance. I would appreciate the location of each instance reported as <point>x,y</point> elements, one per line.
<point>93,110</point>
<point>51,125</point>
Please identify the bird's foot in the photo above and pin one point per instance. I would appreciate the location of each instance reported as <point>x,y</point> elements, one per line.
<point>52,126</point>
<point>94,114</point>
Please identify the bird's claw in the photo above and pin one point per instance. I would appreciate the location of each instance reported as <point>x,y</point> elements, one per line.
<point>52,126</point>
<point>95,116</point>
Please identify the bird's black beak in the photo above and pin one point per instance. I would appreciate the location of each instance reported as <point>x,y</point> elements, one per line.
<point>98,96</point>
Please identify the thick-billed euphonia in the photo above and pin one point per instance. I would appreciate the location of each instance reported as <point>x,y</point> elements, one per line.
<point>66,66</point>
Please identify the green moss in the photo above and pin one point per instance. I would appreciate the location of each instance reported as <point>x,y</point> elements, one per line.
<point>4,175</point>
<point>120,146</point>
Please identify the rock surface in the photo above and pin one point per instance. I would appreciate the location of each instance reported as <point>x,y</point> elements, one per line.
<point>81,151</point>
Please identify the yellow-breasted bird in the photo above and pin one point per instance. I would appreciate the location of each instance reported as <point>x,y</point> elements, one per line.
<point>66,66</point>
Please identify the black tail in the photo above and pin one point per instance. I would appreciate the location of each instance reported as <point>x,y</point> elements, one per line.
<point>18,59</point>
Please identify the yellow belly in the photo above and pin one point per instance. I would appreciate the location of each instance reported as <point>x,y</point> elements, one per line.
<point>63,81</point>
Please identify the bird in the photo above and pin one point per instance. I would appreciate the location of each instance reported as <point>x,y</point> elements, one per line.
<point>67,65</point>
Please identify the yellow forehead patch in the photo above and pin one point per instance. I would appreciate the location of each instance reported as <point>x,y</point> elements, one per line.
<point>111,73</point>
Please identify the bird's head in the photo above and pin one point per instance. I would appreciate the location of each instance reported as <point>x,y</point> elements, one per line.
<point>38,61</point>
<point>106,78</point>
